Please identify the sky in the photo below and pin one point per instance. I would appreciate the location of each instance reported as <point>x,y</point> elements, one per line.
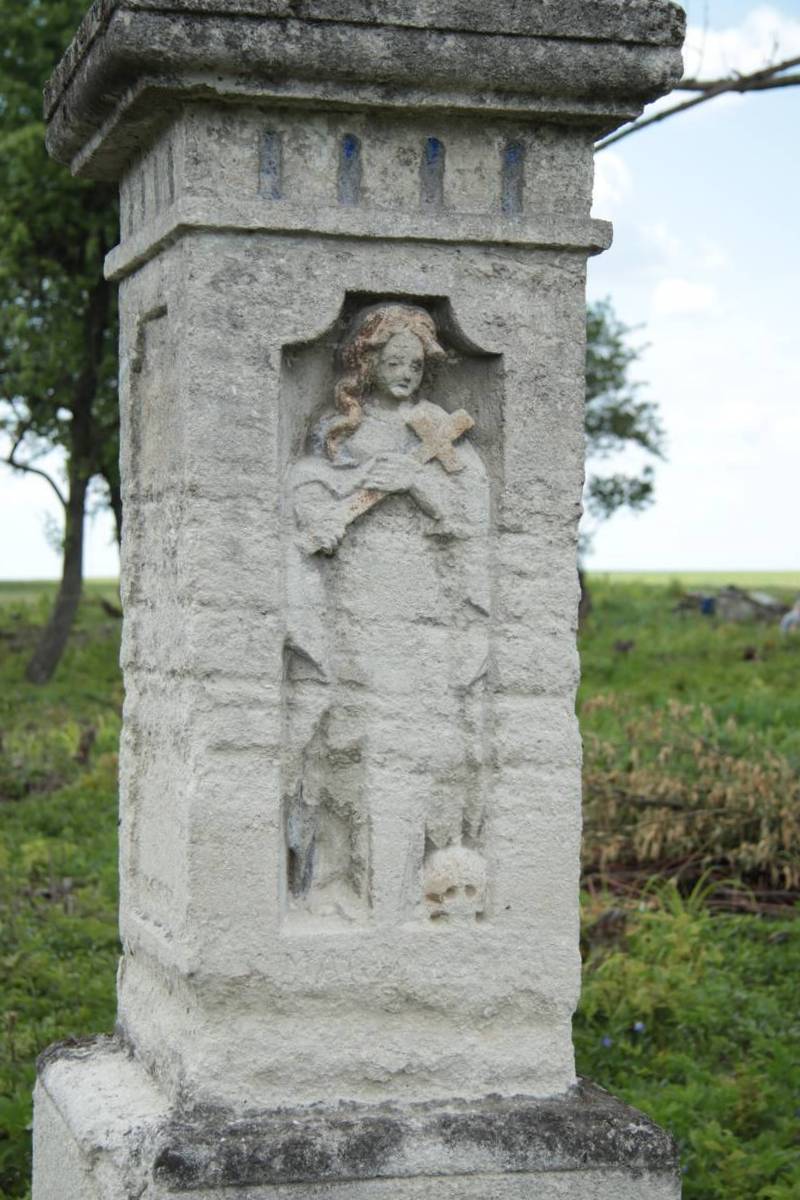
<point>705,267</point>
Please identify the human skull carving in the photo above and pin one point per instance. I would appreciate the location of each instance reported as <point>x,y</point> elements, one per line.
<point>454,883</point>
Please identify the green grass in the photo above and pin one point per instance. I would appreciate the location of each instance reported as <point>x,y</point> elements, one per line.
<point>782,580</point>
<point>41,592</point>
<point>694,1019</point>
<point>690,1015</point>
<point>690,658</point>
<point>691,733</point>
<point>58,857</point>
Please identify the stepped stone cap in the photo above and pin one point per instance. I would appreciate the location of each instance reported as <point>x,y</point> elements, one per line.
<point>594,63</point>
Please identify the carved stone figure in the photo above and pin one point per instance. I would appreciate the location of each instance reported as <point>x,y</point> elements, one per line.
<point>383,436</point>
<point>387,524</point>
<point>454,883</point>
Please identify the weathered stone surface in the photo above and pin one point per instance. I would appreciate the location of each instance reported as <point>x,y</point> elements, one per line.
<point>221,937</point>
<point>352,307</point>
<point>590,1144</point>
<point>133,64</point>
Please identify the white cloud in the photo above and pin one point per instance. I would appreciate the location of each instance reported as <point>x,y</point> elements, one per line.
<point>659,237</point>
<point>766,35</point>
<point>682,297</point>
<point>665,252</point>
<point>613,181</point>
<point>712,256</point>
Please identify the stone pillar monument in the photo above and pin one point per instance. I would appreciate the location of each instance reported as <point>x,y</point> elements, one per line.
<point>352,261</point>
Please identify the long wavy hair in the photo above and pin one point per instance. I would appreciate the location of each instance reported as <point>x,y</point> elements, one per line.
<point>373,329</point>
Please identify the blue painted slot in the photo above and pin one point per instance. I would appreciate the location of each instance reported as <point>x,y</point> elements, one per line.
<point>170,173</point>
<point>512,178</point>
<point>349,182</point>
<point>270,175</point>
<point>432,174</point>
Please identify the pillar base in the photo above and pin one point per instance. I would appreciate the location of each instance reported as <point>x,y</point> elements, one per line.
<point>105,1132</point>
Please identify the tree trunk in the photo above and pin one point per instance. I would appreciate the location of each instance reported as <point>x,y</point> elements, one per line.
<point>585,603</point>
<point>115,500</point>
<point>47,654</point>
<point>81,466</point>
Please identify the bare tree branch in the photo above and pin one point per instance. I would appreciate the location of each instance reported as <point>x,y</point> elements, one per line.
<point>762,80</point>
<point>29,469</point>
<point>737,82</point>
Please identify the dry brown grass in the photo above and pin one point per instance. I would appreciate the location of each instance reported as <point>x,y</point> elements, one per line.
<point>687,790</point>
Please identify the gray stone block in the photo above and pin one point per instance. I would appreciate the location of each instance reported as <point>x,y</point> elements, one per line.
<point>582,1145</point>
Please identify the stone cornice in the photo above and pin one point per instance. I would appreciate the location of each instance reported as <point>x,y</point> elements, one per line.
<point>132,62</point>
<point>193,215</point>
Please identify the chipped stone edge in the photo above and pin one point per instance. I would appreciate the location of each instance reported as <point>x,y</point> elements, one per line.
<point>207,1149</point>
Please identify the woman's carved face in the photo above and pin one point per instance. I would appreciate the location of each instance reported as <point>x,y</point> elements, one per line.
<point>401,362</point>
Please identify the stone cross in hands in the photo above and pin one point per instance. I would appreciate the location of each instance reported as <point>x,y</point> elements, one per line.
<point>437,432</point>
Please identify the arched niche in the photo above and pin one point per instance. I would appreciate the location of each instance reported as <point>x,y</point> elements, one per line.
<point>472,377</point>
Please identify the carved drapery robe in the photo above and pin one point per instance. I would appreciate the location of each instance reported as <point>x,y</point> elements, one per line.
<point>387,656</point>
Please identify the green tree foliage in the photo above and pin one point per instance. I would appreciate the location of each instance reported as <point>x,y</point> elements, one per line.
<point>57,313</point>
<point>617,417</point>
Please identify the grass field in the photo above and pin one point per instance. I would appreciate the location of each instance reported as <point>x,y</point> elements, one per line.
<point>782,580</point>
<point>691,733</point>
<point>41,592</point>
<point>692,738</point>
